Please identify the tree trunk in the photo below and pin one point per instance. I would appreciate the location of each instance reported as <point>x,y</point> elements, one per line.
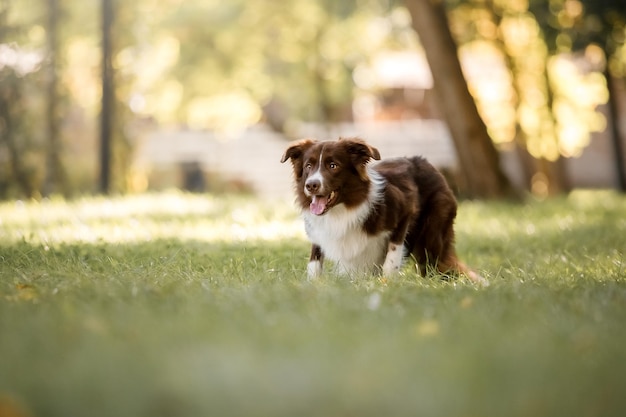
<point>53,176</point>
<point>478,158</point>
<point>12,133</point>
<point>615,131</point>
<point>106,114</point>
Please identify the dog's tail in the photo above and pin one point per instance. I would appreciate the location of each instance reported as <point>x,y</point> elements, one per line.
<point>472,275</point>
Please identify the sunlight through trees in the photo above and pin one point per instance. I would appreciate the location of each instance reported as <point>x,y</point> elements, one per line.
<point>537,71</point>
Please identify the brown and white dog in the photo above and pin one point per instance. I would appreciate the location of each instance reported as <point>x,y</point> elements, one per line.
<point>370,217</point>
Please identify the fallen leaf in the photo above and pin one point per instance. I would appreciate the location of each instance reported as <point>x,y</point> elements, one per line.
<point>427,328</point>
<point>466,302</point>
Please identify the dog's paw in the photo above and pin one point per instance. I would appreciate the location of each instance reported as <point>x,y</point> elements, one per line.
<point>390,269</point>
<point>314,269</point>
<point>478,279</point>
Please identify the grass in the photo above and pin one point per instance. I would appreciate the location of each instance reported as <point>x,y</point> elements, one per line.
<point>185,305</point>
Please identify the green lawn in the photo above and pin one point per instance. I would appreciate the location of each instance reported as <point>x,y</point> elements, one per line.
<point>186,305</point>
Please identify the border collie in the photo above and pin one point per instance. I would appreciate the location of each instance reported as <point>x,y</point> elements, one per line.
<point>368,218</point>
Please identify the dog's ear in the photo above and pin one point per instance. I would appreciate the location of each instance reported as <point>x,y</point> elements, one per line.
<point>295,153</point>
<point>360,153</point>
<point>296,150</point>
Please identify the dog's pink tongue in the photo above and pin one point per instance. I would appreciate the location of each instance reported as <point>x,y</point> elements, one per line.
<point>318,205</point>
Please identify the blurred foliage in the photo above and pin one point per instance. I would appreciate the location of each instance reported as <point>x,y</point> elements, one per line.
<point>19,134</point>
<point>551,95</point>
<point>210,64</point>
<point>221,65</point>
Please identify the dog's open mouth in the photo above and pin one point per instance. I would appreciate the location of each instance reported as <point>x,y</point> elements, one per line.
<point>320,204</point>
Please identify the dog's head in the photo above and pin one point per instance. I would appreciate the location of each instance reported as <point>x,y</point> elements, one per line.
<point>330,172</point>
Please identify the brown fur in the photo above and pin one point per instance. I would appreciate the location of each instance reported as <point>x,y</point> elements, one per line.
<point>417,206</point>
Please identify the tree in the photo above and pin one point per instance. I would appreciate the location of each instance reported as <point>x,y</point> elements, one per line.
<point>54,170</point>
<point>18,174</point>
<point>553,103</point>
<point>478,157</point>
<point>616,134</point>
<point>13,132</point>
<point>576,24</point>
<point>294,57</point>
<point>531,83</point>
<point>106,115</point>
<point>613,16</point>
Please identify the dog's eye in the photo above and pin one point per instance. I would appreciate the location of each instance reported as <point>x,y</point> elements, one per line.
<point>307,166</point>
<point>332,165</point>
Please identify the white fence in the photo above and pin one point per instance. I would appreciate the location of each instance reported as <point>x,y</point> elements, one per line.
<point>254,155</point>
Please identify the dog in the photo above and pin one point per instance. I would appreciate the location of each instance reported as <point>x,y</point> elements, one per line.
<point>370,217</point>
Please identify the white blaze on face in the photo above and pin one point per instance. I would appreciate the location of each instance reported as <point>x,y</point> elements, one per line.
<point>317,175</point>
<point>318,202</point>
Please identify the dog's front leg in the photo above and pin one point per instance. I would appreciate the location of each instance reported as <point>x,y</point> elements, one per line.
<point>393,260</point>
<point>395,249</point>
<point>316,261</point>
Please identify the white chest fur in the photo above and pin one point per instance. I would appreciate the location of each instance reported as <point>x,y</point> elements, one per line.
<point>340,235</point>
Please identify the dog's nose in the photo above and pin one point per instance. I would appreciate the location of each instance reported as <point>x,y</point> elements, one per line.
<point>312,185</point>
